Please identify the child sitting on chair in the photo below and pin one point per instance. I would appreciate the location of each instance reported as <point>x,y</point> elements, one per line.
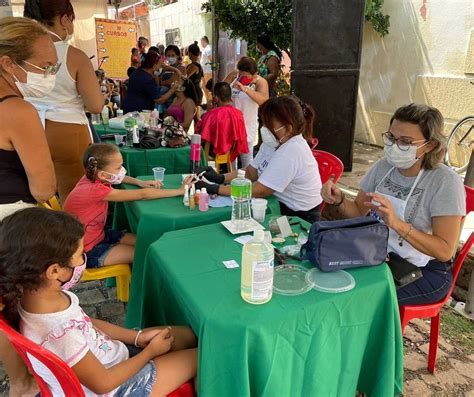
<point>37,267</point>
<point>89,202</point>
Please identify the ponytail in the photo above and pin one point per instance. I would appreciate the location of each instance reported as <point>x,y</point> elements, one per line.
<point>96,158</point>
<point>309,116</point>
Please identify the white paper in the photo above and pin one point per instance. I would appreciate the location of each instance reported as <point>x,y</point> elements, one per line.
<point>284,225</point>
<point>252,226</point>
<point>244,239</point>
<point>220,201</point>
<point>230,264</point>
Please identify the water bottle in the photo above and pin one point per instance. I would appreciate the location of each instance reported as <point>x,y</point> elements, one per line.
<point>119,112</point>
<point>241,192</point>
<point>130,124</point>
<point>195,153</point>
<point>257,270</point>
<point>105,115</point>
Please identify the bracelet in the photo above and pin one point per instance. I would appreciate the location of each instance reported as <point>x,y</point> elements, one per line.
<point>402,239</point>
<point>342,200</point>
<point>136,338</point>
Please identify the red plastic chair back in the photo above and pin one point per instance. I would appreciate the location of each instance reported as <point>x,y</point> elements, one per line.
<point>63,373</point>
<point>329,165</point>
<point>409,312</point>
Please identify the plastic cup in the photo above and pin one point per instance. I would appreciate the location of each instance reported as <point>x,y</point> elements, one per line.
<point>259,207</point>
<point>95,118</point>
<point>159,173</point>
<point>118,139</point>
<point>146,114</point>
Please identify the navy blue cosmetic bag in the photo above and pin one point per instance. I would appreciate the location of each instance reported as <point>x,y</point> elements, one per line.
<point>348,243</point>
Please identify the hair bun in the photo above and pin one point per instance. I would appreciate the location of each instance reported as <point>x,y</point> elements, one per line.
<point>196,42</point>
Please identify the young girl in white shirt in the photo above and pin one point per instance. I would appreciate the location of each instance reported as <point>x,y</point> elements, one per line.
<point>37,268</point>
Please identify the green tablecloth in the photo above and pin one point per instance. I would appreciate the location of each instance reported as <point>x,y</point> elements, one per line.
<point>316,344</point>
<point>149,220</point>
<point>141,161</point>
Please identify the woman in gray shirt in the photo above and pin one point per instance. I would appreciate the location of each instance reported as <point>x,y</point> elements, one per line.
<point>420,199</point>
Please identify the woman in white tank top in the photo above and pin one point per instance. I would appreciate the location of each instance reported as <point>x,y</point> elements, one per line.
<point>76,89</point>
<point>249,92</point>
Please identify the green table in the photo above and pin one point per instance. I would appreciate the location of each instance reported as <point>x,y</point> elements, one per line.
<point>149,220</point>
<point>316,344</point>
<point>141,161</point>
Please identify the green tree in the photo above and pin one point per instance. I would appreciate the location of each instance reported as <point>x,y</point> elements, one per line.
<point>248,18</point>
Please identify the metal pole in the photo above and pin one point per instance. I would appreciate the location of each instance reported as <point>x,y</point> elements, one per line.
<point>215,47</point>
<point>469,181</point>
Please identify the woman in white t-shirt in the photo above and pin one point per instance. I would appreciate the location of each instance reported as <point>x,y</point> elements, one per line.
<point>36,272</point>
<point>285,165</point>
<point>249,91</point>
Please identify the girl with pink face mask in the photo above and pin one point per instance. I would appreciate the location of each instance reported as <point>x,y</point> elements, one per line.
<point>89,202</point>
<point>36,271</point>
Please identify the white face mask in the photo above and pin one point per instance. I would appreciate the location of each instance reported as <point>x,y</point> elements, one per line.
<point>268,138</point>
<point>172,60</point>
<point>116,179</point>
<point>37,84</point>
<point>402,159</point>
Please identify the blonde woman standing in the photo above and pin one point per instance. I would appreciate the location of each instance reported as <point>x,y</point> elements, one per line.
<point>76,89</point>
<point>28,64</point>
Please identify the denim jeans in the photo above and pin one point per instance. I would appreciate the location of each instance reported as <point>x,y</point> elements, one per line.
<point>433,286</point>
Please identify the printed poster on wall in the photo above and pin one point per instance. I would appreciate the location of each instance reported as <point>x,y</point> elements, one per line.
<point>115,40</point>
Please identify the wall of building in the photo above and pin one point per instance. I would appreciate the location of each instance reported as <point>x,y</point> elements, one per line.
<point>427,57</point>
<point>186,15</point>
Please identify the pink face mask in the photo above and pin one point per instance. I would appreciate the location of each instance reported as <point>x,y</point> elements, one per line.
<point>116,179</point>
<point>76,276</point>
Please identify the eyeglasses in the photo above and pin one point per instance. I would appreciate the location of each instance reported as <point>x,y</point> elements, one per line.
<point>403,143</point>
<point>50,70</point>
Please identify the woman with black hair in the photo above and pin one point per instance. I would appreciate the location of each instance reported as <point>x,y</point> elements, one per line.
<point>143,91</point>
<point>194,70</point>
<point>183,107</point>
<point>269,62</point>
<point>173,59</point>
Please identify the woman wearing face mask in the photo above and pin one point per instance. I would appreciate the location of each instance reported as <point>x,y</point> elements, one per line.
<point>143,90</point>
<point>76,87</point>
<point>28,63</point>
<point>249,91</point>
<point>173,58</point>
<point>284,165</point>
<point>419,199</point>
<point>183,106</point>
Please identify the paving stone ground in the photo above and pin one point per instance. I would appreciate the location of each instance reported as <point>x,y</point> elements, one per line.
<point>454,374</point>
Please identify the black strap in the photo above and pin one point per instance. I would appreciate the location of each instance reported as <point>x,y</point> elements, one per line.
<point>8,97</point>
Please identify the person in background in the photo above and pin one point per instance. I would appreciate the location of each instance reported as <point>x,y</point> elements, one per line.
<point>186,60</point>
<point>135,58</point>
<point>206,62</point>
<point>37,270</point>
<point>89,202</point>
<point>142,45</point>
<point>183,106</point>
<point>269,62</point>
<point>284,166</point>
<point>194,70</point>
<point>420,199</point>
<point>143,92</point>
<point>76,89</point>
<point>28,64</point>
<point>173,58</point>
<point>249,91</point>
<point>210,104</point>
<point>224,126</point>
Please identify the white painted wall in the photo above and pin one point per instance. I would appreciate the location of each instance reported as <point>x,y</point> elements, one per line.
<point>424,58</point>
<point>184,14</point>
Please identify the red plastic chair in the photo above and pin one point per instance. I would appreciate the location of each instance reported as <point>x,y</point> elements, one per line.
<point>433,310</point>
<point>67,379</point>
<point>329,165</point>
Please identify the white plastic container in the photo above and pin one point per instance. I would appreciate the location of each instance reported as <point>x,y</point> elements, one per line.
<point>105,115</point>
